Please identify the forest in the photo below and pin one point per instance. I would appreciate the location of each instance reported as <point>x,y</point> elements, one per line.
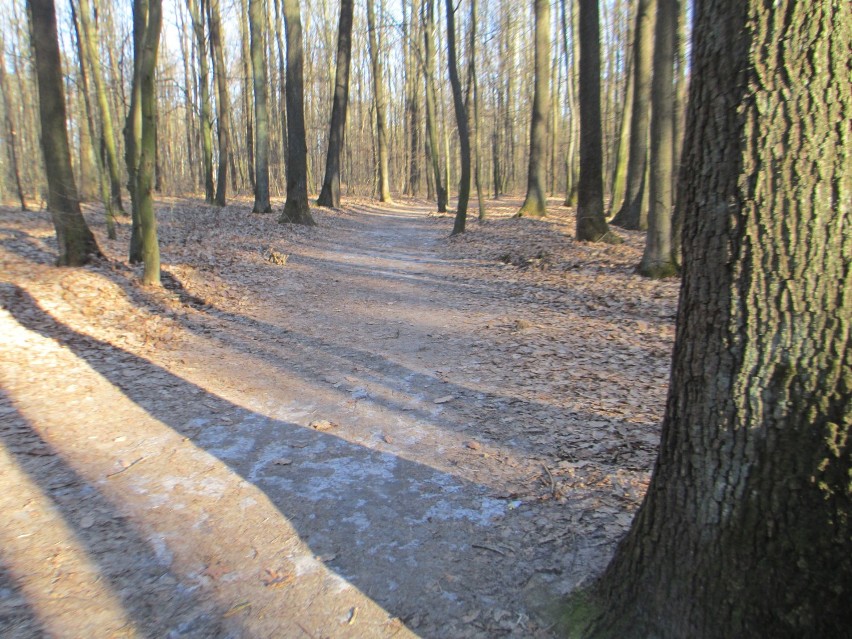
<point>407,318</point>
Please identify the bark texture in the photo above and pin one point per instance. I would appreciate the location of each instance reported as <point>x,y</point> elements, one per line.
<point>535,203</point>
<point>76,243</point>
<point>257,30</point>
<point>330,194</point>
<point>461,121</point>
<point>745,530</point>
<point>223,100</point>
<point>296,208</point>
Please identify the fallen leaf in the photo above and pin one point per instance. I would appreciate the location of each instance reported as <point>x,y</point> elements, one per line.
<point>283,462</point>
<point>444,399</point>
<point>473,445</point>
<point>322,424</point>
<point>277,578</point>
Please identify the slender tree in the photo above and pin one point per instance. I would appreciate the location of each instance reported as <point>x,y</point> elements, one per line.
<point>223,100</point>
<point>296,208</point>
<point>330,194</point>
<point>90,48</point>
<point>248,91</point>
<point>133,129</point>
<point>461,121</point>
<point>745,529</point>
<point>197,15</point>
<point>9,121</point>
<point>658,259</point>
<point>632,215</point>
<point>591,223</point>
<point>257,27</point>
<point>76,243</point>
<point>379,100</point>
<point>431,100</point>
<point>147,153</point>
<point>474,88</point>
<point>535,203</point>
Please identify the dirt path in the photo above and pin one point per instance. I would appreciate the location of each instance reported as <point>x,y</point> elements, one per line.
<point>383,436</point>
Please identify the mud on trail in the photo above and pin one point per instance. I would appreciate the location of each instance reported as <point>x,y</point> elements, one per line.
<point>362,429</point>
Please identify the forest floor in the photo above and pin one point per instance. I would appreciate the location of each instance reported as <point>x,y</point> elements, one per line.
<point>361,429</point>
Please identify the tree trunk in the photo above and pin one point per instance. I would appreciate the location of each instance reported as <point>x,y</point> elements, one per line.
<point>658,261</point>
<point>591,223</point>
<point>147,152</point>
<point>257,27</point>
<point>622,152</point>
<point>431,108</point>
<point>632,214</point>
<point>572,178</point>
<point>535,203</point>
<point>745,529</point>
<point>11,134</point>
<point>133,130</point>
<point>197,15</point>
<point>682,84</point>
<point>330,194</point>
<point>248,91</point>
<point>461,121</point>
<point>90,47</point>
<point>75,241</point>
<point>411,104</point>
<point>477,137</point>
<point>379,99</point>
<point>223,100</point>
<point>296,208</point>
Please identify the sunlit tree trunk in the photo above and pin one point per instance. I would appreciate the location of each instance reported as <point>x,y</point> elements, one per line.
<point>379,99</point>
<point>197,16</point>
<point>431,107</point>
<point>75,241</point>
<point>257,28</point>
<point>9,121</point>
<point>223,100</point>
<point>133,130</point>
<point>248,92</point>
<point>745,529</point>
<point>461,121</point>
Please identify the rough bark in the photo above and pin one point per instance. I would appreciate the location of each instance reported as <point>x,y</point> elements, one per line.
<point>379,104</point>
<point>330,193</point>
<point>632,215</point>
<point>75,241</point>
<point>745,530</point>
<point>147,152</point>
<point>535,203</point>
<point>197,16</point>
<point>657,260</point>
<point>257,29</point>
<point>296,208</point>
<point>461,121</point>
<point>591,223</point>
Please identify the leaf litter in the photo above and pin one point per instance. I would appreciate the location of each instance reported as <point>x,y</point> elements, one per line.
<point>530,367</point>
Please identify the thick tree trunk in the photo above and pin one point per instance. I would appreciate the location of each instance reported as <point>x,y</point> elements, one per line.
<point>591,223</point>
<point>632,215</point>
<point>257,28</point>
<point>535,203</point>
<point>75,241</point>
<point>296,208</point>
<point>197,15</point>
<point>11,132</point>
<point>379,102</point>
<point>431,108</point>
<point>147,152</point>
<point>745,530</point>
<point>223,100</point>
<point>658,260</point>
<point>461,121</point>
<point>133,130</point>
<point>330,194</point>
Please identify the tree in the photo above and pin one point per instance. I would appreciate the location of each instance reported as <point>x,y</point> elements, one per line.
<point>431,108</point>
<point>296,208</point>
<point>461,121</point>
<point>379,100</point>
<point>133,129</point>
<point>197,16</point>
<point>330,193</point>
<point>248,89</point>
<point>76,243</point>
<point>632,215</point>
<point>148,149</point>
<point>11,134</point>
<point>591,223</point>
<point>535,203</point>
<point>658,258</point>
<point>223,100</point>
<point>257,28</point>
<point>474,87</point>
<point>90,48</point>
<point>745,529</point>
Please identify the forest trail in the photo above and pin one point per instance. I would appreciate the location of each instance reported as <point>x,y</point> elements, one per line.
<point>362,429</point>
